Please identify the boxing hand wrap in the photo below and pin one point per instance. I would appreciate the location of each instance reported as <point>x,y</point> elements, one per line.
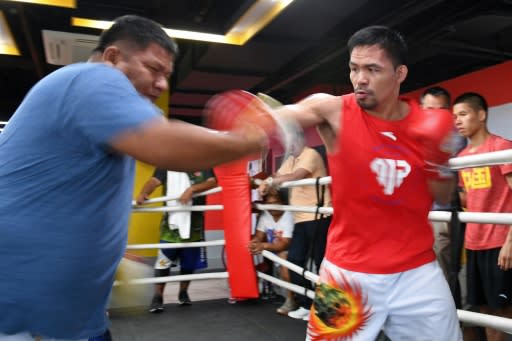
<point>434,130</point>
<point>269,181</point>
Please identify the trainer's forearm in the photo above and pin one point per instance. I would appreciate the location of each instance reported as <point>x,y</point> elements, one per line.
<point>180,146</point>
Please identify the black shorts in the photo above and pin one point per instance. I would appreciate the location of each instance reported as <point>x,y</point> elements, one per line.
<point>488,285</point>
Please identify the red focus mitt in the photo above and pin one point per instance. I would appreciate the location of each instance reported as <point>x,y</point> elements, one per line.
<point>434,130</point>
<point>241,110</point>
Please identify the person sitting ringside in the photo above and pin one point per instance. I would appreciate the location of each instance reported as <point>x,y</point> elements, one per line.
<point>273,233</point>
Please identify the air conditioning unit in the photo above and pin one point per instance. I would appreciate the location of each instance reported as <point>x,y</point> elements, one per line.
<point>63,48</point>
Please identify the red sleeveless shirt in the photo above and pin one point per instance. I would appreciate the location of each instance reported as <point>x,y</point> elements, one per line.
<point>379,195</point>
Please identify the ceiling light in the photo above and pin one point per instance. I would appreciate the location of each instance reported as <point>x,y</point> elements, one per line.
<point>260,14</point>
<point>57,3</point>
<point>91,23</point>
<point>191,35</point>
<point>179,34</point>
<point>7,43</point>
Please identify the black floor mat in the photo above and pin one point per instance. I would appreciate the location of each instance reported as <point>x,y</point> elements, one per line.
<point>215,320</point>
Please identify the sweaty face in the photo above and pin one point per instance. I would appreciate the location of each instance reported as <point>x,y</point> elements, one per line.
<point>435,102</point>
<point>467,120</point>
<point>149,70</point>
<point>373,76</point>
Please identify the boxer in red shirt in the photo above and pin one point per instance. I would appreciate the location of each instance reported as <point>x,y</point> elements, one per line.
<point>386,158</point>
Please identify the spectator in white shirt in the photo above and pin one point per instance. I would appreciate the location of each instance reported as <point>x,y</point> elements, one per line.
<point>273,233</point>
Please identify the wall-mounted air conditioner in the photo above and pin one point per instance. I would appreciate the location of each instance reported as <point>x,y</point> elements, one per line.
<point>63,48</point>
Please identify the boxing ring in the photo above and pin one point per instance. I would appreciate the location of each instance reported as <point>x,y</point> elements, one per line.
<point>472,318</point>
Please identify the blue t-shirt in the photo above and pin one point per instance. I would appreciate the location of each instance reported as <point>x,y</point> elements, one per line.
<point>65,200</point>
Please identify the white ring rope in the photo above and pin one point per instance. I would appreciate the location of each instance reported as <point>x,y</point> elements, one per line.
<point>295,268</point>
<point>309,209</point>
<point>287,285</point>
<point>326,180</point>
<point>483,320</point>
<point>484,159</point>
<point>170,198</point>
<point>473,217</point>
<point>466,217</point>
<point>500,323</point>
<point>176,278</point>
<point>480,160</point>
<point>174,245</point>
<point>492,158</point>
<point>187,208</point>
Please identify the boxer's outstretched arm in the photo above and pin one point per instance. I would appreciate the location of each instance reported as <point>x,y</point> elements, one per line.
<point>319,110</point>
<point>309,111</point>
<point>179,146</point>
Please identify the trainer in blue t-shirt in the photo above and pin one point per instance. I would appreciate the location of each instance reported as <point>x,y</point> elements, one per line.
<point>59,249</point>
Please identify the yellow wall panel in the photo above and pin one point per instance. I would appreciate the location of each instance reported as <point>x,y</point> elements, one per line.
<point>145,227</point>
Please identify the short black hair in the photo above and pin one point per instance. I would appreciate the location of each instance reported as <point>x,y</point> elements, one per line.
<point>474,100</point>
<point>437,91</point>
<point>281,194</point>
<point>139,31</point>
<point>386,38</point>
<point>97,49</point>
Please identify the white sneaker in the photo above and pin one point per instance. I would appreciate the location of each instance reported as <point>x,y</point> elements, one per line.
<point>300,314</point>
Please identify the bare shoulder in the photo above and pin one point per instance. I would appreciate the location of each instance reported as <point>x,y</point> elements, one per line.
<point>323,102</point>
<point>325,106</point>
<point>328,109</point>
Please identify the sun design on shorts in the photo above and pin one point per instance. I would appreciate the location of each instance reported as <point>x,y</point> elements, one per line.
<point>339,311</point>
